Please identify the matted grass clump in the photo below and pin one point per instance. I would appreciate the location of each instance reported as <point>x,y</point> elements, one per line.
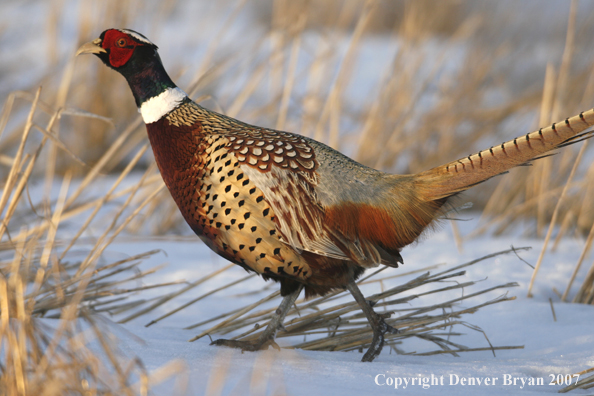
<point>333,326</point>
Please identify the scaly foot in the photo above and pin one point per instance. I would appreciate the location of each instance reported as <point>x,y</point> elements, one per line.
<point>376,321</point>
<point>380,328</point>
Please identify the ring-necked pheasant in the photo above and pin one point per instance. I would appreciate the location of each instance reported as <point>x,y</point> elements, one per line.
<point>288,207</point>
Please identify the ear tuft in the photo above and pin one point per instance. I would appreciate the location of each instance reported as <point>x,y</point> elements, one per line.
<point>139,37</point>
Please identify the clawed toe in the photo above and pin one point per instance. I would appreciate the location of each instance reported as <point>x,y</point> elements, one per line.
<point>266,339</point>
<point>380,328</point>
<point>376,321</point>
<point>386,328</point>
<point>250,346</point>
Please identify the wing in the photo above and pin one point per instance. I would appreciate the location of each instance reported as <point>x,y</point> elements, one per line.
<point>285,168</point>
<point>302,194</point>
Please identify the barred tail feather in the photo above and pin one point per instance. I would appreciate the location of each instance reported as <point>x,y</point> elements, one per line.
<point>454,177</point>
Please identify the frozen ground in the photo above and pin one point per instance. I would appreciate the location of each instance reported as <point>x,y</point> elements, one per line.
<point>551,347</point>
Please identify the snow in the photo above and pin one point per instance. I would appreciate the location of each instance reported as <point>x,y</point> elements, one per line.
<point>551,347</point>
<point>306,373</point>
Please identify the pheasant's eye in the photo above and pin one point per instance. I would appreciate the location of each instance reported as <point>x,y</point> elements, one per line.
<point>121,42</point>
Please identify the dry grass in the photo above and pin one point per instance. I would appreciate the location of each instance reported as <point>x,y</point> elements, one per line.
<point>41,278</point>
<point>583,383</point>
<point>452,82</point>
<point>326,324</point>
<point>447,83</point>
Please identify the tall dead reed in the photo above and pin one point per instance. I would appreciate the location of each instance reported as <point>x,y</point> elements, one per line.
<point>41,280</point>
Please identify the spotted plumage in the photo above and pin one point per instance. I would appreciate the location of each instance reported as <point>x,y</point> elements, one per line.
<point>216,195</point>
<point>260,148</point>
<point>290,208</point>
<point>237,158</point>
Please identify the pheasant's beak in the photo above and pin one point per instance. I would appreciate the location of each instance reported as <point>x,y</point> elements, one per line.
<point>92,47</point>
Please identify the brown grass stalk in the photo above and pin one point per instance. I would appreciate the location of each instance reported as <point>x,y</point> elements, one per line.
<point>345,327</point>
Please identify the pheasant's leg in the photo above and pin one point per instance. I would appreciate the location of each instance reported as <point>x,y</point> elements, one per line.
<point>267,337</point>
<point>378,325</point>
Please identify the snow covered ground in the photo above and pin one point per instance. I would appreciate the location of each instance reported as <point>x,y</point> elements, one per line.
<point>551,348</point>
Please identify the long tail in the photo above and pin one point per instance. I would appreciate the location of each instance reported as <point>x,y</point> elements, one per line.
<point>454,177</point>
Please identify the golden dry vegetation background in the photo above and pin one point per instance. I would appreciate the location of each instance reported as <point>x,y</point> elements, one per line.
<point>398,85</point>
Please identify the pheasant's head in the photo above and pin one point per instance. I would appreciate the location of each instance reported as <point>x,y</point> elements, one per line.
<point>136,58</point>
<point>121,48</point>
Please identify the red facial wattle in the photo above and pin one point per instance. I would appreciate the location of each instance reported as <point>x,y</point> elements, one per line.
<point>120,47</point>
